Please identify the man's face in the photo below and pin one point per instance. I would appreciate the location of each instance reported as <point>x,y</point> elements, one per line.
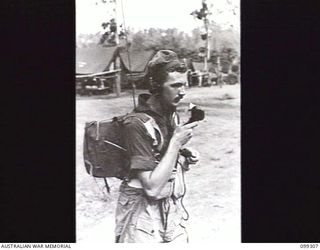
<point>173,89</point>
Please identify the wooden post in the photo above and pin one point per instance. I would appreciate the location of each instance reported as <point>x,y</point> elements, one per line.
<point>206,46</point>
<point>117,87</point>
<point>219,73</point>
<point>200,79</point>
<point>206,57</point>
<point>118,84</point>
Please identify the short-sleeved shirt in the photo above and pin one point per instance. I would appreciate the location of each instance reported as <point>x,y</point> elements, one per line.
<point>139,145</point>
<point>134,207</point>
<point>142,153</point>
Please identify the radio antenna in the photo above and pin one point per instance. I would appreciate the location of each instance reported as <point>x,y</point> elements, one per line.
<point>129,59</point>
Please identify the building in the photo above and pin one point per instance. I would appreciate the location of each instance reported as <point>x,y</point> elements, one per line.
<point>134,66</point>
<point>96,69</point>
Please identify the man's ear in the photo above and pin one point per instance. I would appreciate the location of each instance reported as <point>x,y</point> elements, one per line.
<point>155,87</point>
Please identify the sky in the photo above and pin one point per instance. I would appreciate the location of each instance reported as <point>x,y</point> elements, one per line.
<point>142,14</point>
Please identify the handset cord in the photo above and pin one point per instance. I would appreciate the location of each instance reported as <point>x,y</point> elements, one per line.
<point>184,192</point>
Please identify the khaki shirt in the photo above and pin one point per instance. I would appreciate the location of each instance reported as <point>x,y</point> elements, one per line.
<point>135,209</point>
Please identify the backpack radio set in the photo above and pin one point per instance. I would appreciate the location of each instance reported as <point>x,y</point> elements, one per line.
<point>104,150</point>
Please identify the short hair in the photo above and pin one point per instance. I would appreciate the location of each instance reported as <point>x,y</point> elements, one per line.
<point>164,62</point>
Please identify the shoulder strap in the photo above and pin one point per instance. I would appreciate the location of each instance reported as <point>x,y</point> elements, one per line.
<point>150,125</point>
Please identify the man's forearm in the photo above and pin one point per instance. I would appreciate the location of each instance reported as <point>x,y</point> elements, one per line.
<point>155,180</point>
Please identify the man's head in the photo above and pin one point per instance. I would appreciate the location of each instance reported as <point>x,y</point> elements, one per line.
<point>168,77</point>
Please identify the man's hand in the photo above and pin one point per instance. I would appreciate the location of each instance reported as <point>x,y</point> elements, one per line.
<point>182,134</point>
<point>191,157</point>
<point>194,158</point>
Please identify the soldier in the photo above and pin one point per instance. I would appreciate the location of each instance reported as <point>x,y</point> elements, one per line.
<point>150,207</point>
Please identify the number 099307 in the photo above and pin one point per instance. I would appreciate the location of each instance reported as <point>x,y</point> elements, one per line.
<point>308,245</point>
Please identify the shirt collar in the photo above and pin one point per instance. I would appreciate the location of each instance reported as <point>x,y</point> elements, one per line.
<point>153,103</point>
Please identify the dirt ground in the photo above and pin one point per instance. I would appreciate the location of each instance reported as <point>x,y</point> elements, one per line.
<point>213,187</point>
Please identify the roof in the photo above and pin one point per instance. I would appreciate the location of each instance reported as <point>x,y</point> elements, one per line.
<point>138,58</point>
<point>94,60</point>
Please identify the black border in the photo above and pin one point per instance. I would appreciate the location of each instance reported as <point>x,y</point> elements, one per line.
<point>280,181</point>
<point>280,184</point>
<point>38,123</point>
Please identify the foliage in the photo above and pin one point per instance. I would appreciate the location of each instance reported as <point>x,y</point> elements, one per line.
<point>202,13</point>
<point>185,44</point>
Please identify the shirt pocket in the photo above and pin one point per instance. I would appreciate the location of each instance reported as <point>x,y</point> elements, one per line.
<point>145,226</point>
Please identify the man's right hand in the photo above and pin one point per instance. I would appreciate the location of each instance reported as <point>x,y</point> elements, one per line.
<point>182,134</point>
<point>154,181</point>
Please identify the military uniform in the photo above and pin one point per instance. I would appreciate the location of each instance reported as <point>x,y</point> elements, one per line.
<point>140,218</point>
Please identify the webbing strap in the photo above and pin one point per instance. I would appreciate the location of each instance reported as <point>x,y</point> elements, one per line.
<point>151,130</point>
<point>107,185</point>
<point>150,126</point>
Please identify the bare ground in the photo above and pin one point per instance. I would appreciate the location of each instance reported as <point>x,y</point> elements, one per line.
<point>213,187</point>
